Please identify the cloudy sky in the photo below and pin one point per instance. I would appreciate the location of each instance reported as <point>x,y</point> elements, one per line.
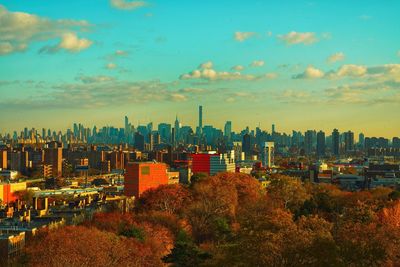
<point>298,64</point>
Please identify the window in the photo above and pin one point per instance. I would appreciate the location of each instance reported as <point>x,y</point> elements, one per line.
<point>145,170</point>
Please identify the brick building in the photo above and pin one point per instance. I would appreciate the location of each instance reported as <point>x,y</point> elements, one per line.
<point>141,176</point>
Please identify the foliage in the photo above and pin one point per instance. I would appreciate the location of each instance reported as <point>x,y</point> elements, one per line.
<point>229,220</point>
<point>167,198</point>
<point>185,253</point>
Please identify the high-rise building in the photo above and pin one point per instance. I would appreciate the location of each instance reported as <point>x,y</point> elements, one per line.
<point>141,176</point>
<point>268,154</point>
<point>151,141</point>
<point>361,140</point>
<point>320,144</point>
<point>396,142</point>
<point>246,144</point>
<point>139,141</point>
<point>336,142</point>
<point>212,163</point>
<point>348,141</point>
<point>273,128</point>
<point>150,127</point>
<point>53,157</point>
<point>177,128</point>
<point>308,142</point>
<point>164,129</point>
<point>127,126</point>
<point>228,130</point>
<point>200,126</point>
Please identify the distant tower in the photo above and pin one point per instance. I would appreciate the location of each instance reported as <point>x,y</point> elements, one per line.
<point>228,130</point>
<point>361,140</point>
<point>126,125</point>
<point>349,141</point>
<point>336,142</point>
<point>246,144</point>
<point>200,129</point>
<point>320,144</point>
<point>273,128</point>
<point>176,129</point>
<point>139,141</point>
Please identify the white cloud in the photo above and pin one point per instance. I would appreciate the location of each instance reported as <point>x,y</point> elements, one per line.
<point>111,66</point>
<point>294,96</point>
<point>212,75</point>
<point>257,63</point>
<point>242,36</point>
<point>127,5</point>
<point>349,70</point>
<point>19,29</point>
<point>178,97</point>
<point>206,71</point>
<point>72,43</point>
<point>94,95</point>
<point>293,38</point>
<point>206,65</point>
<point>238,68</point>
<point>95,79</point>
<point>336,57</point>
<point>310,73</point>
<point>398,53</point>
<point>7,48</point>
<point>386,72</point>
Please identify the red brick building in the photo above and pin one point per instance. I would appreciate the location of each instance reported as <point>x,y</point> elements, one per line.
<point>141,176</point>
<point>201,163</point>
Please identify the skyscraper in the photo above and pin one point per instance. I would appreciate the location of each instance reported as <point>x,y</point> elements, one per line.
<point>308,142</point>
<point>165,132</point>
<point>320,144</point>
<point>127,128</point>
<point>176,128</point>
<point>336,142</point>
<point>228,130</point>
<point>349,141</point>
<point>246,144</point>
<point>200,129</point>
<point>361,140</point>
<point>139,141</point>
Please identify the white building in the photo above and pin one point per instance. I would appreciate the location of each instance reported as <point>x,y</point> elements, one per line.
<point>268,154</point>
<point>222,163</point>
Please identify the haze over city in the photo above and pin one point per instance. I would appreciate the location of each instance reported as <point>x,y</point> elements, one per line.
<point>301,65</point>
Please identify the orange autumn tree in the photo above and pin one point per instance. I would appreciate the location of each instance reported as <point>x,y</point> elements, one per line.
<point>167,198</point>
<point>81,246</point>
<point>156,236</point>
<point>391,215</point>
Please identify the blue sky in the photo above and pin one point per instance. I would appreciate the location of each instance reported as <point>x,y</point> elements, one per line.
<point>298,64</point>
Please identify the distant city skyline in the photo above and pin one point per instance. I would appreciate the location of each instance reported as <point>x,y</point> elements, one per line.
<point>299,64</point>
<point>121,123</point>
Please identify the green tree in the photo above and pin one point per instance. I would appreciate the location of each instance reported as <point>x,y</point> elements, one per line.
<point>185,253</point>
